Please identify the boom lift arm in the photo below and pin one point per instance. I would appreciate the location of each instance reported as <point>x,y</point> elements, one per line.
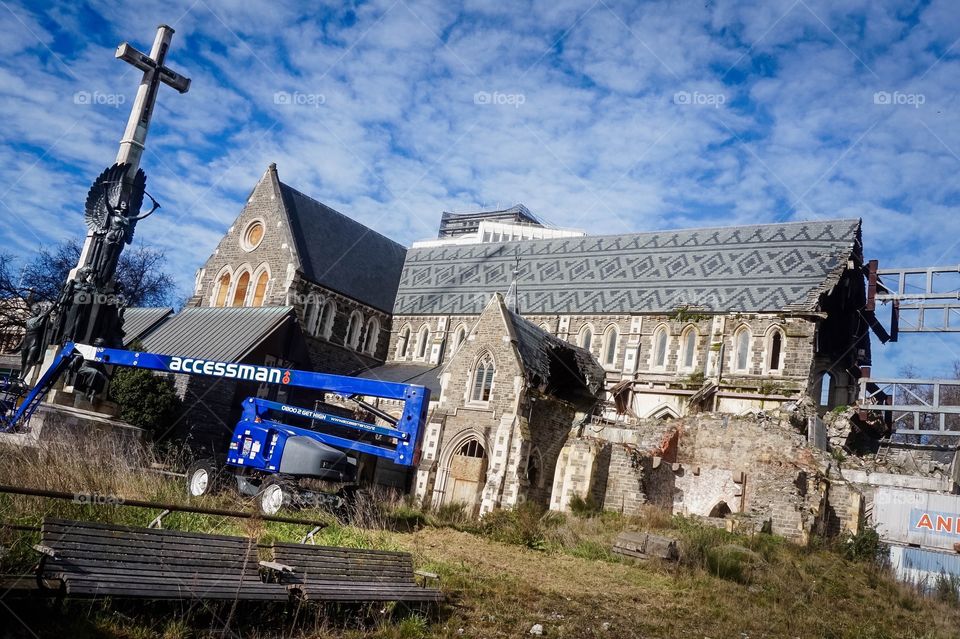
<point>397,443</point>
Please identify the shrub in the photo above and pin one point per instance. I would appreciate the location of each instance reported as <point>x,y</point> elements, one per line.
<point>453,515</point>
<point>584,507</point>
<point>865,546</point>
<point>146,400</point>
<point>732,562</point>
<point>522,526</point>
<point>947,588</point>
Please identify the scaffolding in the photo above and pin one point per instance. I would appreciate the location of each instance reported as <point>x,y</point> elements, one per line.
<point>925,300</point>
<point>914,406</point>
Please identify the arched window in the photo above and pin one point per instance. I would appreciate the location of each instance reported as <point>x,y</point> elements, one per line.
<point>689,348</point>
<point>372,335</point>
<point>660,339</point>
<point>775,350</point>
<point>459,336</point>
<point>423,341</point>
<point>610,345</point>
<point>586,337</point>
<point>403,342</point>
<point>545,327</point>
<point>352,336</point>
<point>223,288</point>
<point>260,290</point>
<point>826,389</point>
<point>310,313</point>
<point>471,448</point>
<point>240,293</point>
<point>741,349</point>
<point>325,321</point>
<point>482,379</point>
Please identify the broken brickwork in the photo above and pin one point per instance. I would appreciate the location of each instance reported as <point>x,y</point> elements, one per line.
<point>758,469</point>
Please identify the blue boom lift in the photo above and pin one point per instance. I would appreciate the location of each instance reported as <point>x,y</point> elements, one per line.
<point>269,453</point>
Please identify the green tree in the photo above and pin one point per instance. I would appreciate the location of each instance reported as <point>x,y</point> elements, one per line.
<point>146,400</point>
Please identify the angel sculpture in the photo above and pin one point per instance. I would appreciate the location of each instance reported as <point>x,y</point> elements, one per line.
<point>111,213</point>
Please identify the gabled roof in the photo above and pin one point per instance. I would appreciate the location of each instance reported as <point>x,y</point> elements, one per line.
<point>772,268</point>
<point>222,334</point>
<point>140,320</point>
<point>342,254</point>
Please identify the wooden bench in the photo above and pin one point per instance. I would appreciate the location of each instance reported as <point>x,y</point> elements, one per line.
<point>89,559</point>
<point>325,573</point>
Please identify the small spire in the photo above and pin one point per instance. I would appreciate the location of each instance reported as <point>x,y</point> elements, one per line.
<point>513,298</point>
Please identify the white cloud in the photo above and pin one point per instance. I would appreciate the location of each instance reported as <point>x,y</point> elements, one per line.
<point>393,135</point>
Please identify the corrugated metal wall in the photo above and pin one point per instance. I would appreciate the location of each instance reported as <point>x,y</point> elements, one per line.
<point>929,520</point>
<point>923,567</point>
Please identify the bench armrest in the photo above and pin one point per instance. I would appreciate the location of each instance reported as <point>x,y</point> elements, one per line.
<point>46,550</point>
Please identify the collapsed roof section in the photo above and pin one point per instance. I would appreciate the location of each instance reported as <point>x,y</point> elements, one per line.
<point>551,364</point>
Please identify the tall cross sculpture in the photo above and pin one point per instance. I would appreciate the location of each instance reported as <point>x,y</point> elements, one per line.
<point>155,72</point>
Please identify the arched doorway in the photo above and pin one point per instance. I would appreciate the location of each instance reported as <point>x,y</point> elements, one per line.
<point>467,475</point>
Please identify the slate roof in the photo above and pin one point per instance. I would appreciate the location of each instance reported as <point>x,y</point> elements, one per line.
<point>341,254</point>
<point>223,334</point>
<point>773,267</point>
<point>140,320</point>
<point>407,373</point>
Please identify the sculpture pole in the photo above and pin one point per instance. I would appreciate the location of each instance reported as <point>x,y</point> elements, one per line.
<point>89,308</point>
<point>138,124</point>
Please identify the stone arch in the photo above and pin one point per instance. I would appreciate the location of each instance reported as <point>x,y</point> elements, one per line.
<point>462,470</point>
<point>459,336</point>
<point>688,348</point>
<point>826,387</point>
<point>423,342</point>
<point>351,338</point>
<point>660,347</point>
<point>221,287</point>
<point>663,411</point>
<point>481,378</point>
<point>371,336</point>
<point>328,313</point>
<point>242,286</point>
<point>742,349</point>
<point>403,342</point>
<point>774,344</point>
<point>610,345</point>
<point>261,281</point>
<point>585,336</point>
<point>720,509</point>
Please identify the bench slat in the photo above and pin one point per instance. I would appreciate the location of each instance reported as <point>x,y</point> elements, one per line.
<point>65,524</point>
<point>70,549</point>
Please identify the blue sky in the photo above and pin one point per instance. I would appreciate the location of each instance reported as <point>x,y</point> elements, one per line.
<point>602,115</point>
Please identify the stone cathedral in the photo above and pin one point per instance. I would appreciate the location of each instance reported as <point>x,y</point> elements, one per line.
<point>535,340</point>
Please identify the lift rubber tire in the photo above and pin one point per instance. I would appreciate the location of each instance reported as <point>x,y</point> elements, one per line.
<point>275,494</point>
<point>203,478</point>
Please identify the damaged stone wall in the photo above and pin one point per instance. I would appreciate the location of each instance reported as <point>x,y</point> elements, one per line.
<point>756,468</point>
